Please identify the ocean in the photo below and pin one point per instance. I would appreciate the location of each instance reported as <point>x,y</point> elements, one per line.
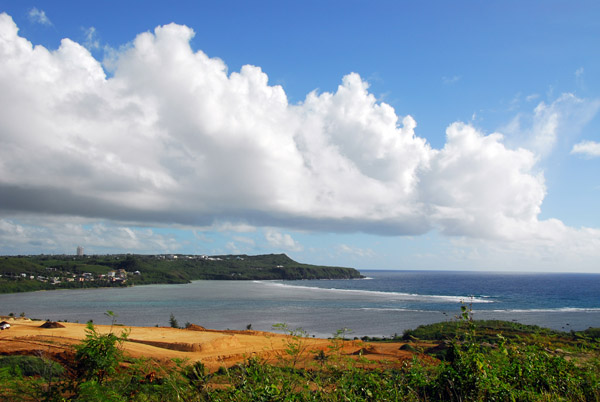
<point>384,304</point>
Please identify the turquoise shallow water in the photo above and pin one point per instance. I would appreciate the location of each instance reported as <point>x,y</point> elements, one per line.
<point>387,303</point>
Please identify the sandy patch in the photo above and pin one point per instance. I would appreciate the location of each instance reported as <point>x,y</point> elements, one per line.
<point>213,348</point>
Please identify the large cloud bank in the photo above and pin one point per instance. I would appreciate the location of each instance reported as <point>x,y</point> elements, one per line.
<point>172,137</point>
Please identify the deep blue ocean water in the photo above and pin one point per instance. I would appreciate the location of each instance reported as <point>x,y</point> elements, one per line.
<point>386,303</point>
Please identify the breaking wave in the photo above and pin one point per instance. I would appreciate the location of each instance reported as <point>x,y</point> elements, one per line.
<point>386,295</point>
<point>551,310</point>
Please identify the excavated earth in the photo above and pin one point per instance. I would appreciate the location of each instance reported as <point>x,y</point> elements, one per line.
<point>212,347</point>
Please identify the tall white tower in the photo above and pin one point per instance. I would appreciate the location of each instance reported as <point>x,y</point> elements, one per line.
<point>79,251</point>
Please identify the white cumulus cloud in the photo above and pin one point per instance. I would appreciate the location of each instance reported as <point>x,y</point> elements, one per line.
<point>172,137</point>
<point>587,148</point>
<point>282,241</point>
<point>475,186</point>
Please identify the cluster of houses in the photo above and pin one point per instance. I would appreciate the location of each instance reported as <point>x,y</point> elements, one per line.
<point>187,257</point>
<point>116,275</point>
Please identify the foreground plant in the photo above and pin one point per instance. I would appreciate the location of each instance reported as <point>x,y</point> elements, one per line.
<point>99,354</point>
<point>296,344</point>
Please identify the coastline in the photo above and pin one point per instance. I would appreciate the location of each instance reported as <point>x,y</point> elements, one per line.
<point>389,303</point>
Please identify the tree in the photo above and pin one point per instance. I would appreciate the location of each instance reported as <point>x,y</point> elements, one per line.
<point>99,354</point>
<point>173,322</point>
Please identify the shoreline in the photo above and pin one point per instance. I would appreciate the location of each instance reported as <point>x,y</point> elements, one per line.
<point>233,305</point>
<point>322,308</point>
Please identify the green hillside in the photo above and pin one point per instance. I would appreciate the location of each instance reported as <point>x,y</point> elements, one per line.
<point>28,273</point>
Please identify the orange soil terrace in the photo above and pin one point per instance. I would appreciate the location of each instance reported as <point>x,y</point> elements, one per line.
<point>212,347</point>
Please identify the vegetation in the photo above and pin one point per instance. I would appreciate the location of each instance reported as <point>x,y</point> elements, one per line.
<point>173,321</point>
<point>486,330</point>
<point>45,272</point>
<point>31,366</point>
<point>98,355</point>
<point>520,363</point>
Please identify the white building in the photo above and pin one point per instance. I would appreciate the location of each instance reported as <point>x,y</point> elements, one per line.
<point>79,251</point>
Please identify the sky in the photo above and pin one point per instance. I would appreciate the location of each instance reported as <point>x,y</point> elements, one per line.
<point>375,134</point>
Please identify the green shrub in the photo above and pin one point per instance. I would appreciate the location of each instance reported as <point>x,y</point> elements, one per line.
<point>98,355</point>
<point>31,366</point>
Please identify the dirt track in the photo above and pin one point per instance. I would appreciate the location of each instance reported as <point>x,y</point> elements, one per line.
<point>213,348</point>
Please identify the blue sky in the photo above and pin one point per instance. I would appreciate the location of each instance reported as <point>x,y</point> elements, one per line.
<point>381,134</point>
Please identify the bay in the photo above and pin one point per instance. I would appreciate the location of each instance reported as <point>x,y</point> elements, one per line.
<point>386,303</point>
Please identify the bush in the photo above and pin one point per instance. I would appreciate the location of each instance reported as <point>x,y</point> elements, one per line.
<point>173,322</point>
<point>99,354</point>
<point>32,366</point>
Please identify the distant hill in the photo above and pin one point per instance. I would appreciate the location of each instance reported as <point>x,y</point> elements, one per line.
<point>29,273</point>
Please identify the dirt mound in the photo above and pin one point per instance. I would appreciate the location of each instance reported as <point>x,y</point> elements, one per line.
<point>365,351</point>
<point>194,327</point>
<point>51,324</point>
<point>408,347</point>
